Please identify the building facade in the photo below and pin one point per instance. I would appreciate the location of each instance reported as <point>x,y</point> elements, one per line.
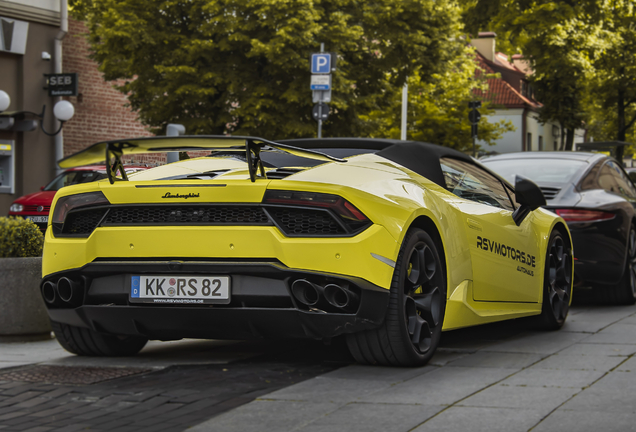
<point>29,31</point>
<point>514,100</point>
<point>37,38</point>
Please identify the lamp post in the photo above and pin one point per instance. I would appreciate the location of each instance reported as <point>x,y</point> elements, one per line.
<point>63,112</point>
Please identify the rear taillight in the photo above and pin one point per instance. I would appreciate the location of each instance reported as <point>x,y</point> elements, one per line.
<point>72,202</point>
<point>352,218</point>
<point>339,205</point>
<point>580,215</point>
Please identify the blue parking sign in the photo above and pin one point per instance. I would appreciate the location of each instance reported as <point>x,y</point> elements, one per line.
<point>321,63</point>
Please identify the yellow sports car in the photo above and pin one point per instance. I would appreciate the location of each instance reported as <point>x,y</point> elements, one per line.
<point>386,242</point>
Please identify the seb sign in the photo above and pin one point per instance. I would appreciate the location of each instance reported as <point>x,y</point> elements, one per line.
<point>62,84</point>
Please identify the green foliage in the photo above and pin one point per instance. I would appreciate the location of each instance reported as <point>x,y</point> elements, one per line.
<point>582,52</point>
<point>242,66</point>
<point>438,108</point>
<point>20,238</point>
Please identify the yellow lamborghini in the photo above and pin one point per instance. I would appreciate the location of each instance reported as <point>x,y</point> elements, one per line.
<point>386,242</point>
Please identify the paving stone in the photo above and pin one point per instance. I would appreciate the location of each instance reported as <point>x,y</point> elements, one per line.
<point>614,393</point>
<point>378,373</point>
<point>587,421</point>
<point>580,362</point>
<point>544,399</point>
<point>325,389</point>
<point>535,377</point>
<point>444,386</point>
<point>616,333</point>
<point>475,419</point>
<point>485,358</point>
<point>267,415</point>
<point>540,343</point>
<point>373,418</point>
<point>72,428</point>
<point>606,349</point>
<point>628,365</point>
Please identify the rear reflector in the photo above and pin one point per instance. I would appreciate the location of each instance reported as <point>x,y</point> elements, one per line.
<point>576,215</point>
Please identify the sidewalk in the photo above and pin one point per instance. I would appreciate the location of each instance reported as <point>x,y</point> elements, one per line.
<point>580,378</point>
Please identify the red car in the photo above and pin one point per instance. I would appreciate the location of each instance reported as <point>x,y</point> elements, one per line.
<point>36,206</point>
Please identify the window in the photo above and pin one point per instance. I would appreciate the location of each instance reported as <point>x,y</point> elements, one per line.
<point>473,183</point>
<point>606,179</point>
<point>625,186</point>
<point>590,182</point>
<point>540,143</point>
<point>529,142</point>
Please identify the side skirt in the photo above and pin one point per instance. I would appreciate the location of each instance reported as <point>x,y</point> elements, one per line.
<point>463,311</point>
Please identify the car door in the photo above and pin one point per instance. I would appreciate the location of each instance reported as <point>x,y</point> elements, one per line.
<point>505,257</point>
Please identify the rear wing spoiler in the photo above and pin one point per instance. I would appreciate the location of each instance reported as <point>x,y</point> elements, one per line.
<point>252,146</point>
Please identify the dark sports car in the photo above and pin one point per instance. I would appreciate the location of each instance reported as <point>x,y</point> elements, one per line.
<point>596,198</point>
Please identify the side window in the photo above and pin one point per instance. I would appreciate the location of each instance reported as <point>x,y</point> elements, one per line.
<point>590,182</point>
<point>472,183</point>
<point>625,186</point>
<point>606,179</point>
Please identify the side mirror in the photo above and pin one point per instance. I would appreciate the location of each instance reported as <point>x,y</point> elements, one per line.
<point>529,196</point>
<point>41,188</point>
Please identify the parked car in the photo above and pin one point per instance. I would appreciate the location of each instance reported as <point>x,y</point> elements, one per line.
<point>36,206</point>
<point>631,172</point>
<point>386,242</point>
<point>596,197</point>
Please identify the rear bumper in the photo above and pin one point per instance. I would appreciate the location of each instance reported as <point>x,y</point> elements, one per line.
<point>262,305</point>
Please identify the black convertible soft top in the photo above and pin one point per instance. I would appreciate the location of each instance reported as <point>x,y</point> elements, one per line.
<point>420,157</point>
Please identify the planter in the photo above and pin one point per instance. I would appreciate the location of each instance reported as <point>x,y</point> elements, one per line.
<point>22,310</point>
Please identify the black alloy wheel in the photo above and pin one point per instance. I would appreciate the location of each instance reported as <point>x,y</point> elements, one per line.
<point>630,269</point>
<point>557,289</point>
<point>413,324</point>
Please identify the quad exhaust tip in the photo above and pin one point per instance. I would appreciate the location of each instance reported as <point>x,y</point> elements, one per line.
<point>49,292</point>
<point>339,297</point>
<point>67,289</point>
<point>311,294</point>
<point>306,292</point>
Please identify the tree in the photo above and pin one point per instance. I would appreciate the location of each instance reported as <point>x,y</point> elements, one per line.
<point>612,95</point>
<point>560,39</point>
<point>242,66</point>
<point>438,109</point>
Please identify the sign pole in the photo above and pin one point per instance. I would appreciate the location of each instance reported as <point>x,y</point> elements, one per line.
<point>322,49</point>
<point>405,101</point>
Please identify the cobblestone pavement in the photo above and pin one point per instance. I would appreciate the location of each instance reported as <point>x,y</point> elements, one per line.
<point>168,399</point>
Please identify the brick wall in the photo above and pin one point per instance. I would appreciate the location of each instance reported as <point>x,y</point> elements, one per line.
<point>100,113</point>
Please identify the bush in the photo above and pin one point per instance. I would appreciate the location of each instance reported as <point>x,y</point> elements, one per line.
<point>20,238</point>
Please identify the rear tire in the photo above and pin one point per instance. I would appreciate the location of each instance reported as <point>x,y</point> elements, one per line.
<point>557,282</point>
<point>86,342</point>
<point>417,301</point>
<point>623,293</point>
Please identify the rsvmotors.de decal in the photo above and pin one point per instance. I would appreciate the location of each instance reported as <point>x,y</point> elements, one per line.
<point>509,252</point>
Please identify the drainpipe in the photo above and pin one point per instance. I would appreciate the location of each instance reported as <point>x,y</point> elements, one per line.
<point>524,128</point>
<point>59,138</point>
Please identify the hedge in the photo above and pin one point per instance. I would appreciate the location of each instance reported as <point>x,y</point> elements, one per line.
<point>20,238</point>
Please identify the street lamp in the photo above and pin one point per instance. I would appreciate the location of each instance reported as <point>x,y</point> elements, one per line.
<point>63,112</point>
<point>5,101</point>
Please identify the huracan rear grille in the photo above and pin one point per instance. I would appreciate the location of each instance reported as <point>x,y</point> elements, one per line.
<point>83,222</point>
<point>300,221</point>
<point>292,221</point>
<point>186,215</point>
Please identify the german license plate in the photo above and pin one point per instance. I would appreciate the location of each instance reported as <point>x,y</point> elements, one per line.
<point>40,219</point>
<point>180,289</point>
